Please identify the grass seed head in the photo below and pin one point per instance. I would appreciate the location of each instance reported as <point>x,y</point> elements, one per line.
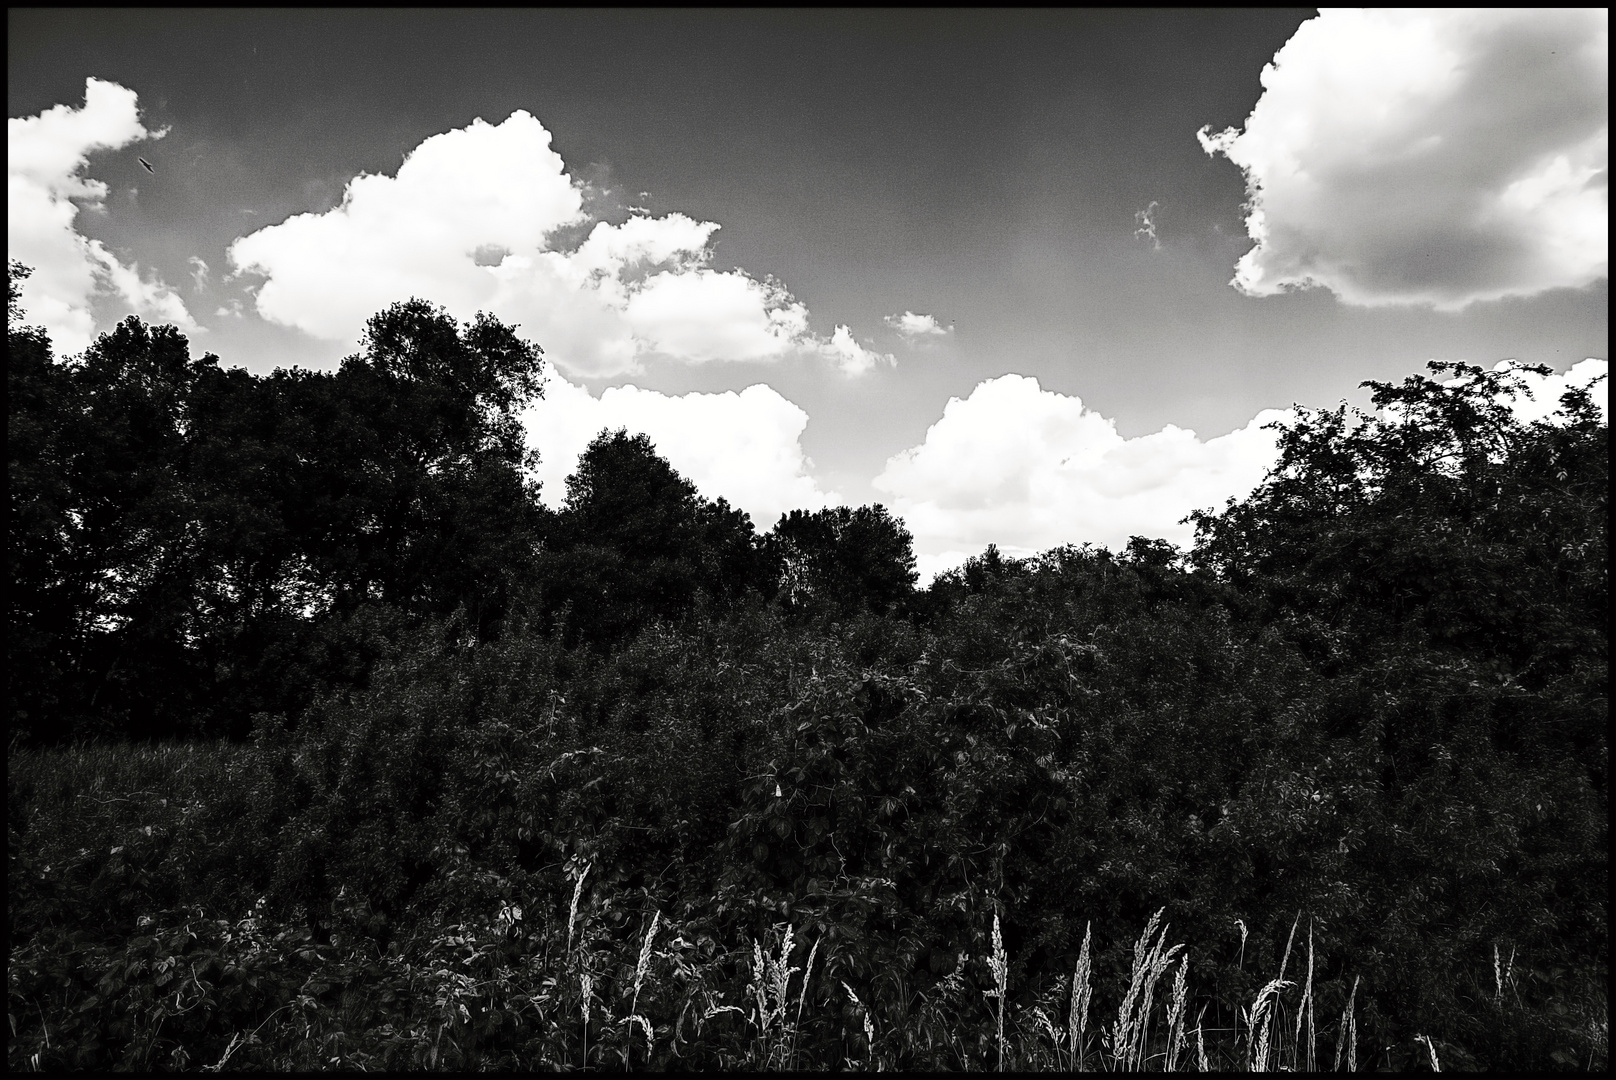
<point>572,913</point>
<point>644,963</point>
<point>1347,1036</point>
<point>1261,1021</point>
<point>1077,1019</point>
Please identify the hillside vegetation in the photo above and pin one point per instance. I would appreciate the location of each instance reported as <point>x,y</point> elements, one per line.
<point>331,746</point>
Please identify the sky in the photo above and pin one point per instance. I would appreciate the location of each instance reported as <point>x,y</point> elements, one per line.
<point>1027,278</point>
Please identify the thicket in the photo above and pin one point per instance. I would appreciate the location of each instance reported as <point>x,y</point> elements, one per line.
<point>628,785</point>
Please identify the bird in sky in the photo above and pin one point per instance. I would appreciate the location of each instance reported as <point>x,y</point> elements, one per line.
<point>146,163</point>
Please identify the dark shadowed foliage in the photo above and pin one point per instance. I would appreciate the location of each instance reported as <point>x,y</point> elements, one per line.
<point>193,545</point>
<point>843,561</point>
<point>630,786</point>
<point>634,545</point>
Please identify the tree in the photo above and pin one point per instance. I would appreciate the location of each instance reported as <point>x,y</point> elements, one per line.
<point>104,543</point>
<point>396,487</point>
<point>1444,519</point>
<point>40,422</point>
<point>191,545</point>
<point>843,560</point>
<point>1441,566</point>
<point>634,544</point>
<point>418,464</point>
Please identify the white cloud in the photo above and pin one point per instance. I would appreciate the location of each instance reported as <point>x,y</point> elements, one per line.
<point>1547,391</point>
<point>701,315</point>
<point>1028,469</point>
<point>45,159</point>
<point>744,447</point>
<point>850,356</point>
<point>1544,392</point>
<point>1145,225</point>
<point>914,327</point>
<point>473,221</point>
<point>1434,157</point>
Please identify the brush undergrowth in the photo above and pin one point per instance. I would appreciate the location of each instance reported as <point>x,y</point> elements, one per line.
<point>771,842</point>
<point>512,988</point>
<point>479,864</point>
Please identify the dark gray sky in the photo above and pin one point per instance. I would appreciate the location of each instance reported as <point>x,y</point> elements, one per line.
<point>984,168</point>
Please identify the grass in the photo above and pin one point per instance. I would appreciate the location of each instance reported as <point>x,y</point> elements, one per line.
<point>586,979</point>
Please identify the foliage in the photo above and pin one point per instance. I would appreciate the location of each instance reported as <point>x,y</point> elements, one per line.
<point>630,786</point>
<point>634,544</point>
<point>193,545</point>
<point>844,560</point>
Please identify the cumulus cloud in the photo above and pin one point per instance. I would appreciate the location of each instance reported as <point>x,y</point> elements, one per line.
<point>914,327</point>
<point>1029,469</point>
<point>850,356</point>
<point>1435,157</point>
<point>46,156</point>
<point>1544,392</point>
<point>1547,391</point>
<point>1145,225</point>
<point>744,447</point>
<point>478,219</point>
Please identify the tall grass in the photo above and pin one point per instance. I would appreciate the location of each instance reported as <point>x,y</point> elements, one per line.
<point>661,987</point>
<point>595,974</point>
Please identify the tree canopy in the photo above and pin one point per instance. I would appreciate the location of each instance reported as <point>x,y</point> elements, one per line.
<point>635,544</point>
<point>193,545</point>
<point>189,541</point>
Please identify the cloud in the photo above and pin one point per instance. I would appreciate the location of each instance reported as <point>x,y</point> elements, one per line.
<point>45,159</point>
<point>1435,157</point>
<point>850,356</point>
<point>745,447</point>
<point>1028,469</point>
<point>199,271</point>
<point>1145,220</point>
<point>1544,392</point>
<point>486,217</point>
<point>914,327</point>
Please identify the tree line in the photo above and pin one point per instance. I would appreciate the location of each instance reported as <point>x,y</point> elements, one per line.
<point>1370,701</point>
<point>193,545</point>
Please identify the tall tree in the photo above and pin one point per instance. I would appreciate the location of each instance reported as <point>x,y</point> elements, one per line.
<point>844,560</point>
<point>418,451</point>
<point>41,421</point>
<point>396,487</point>
<point>190,545</point>
<point>104,541</point>
<point>634,543</point>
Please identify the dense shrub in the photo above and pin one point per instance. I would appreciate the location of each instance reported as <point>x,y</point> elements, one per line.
<point>1089,739</point>
<point>631,786</point>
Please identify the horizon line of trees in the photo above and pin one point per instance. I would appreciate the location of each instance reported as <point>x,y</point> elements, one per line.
<point>1375,692</point>
<point>193,545</point>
